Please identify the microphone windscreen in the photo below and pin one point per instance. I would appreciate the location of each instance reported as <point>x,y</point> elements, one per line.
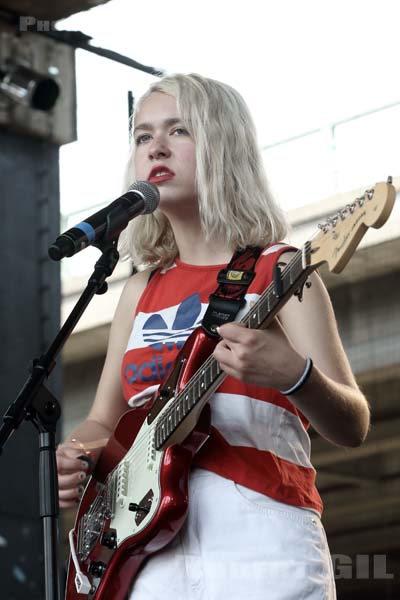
<point>150,192</point>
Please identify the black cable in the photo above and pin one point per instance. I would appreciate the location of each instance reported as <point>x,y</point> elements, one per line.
<point>131,106</point>
<point>77,39</point>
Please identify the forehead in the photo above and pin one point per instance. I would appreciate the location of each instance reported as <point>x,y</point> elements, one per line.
<point>156,106</point>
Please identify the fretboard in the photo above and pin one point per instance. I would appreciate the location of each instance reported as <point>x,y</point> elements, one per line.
<point>210,375</point>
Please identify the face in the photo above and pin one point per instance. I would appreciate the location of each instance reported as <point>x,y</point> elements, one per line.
<point>165,152</point>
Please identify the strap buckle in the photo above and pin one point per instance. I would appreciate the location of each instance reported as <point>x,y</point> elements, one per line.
<point>220,311</point>
<point>232,277</point>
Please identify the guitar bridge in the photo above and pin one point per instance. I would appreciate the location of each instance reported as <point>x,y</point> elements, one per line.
<point>90,527</point>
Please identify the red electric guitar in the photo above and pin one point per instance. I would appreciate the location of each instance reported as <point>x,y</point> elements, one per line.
<point>137,500</point>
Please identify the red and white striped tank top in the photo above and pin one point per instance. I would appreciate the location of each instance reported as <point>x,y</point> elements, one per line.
<point>259,439</point>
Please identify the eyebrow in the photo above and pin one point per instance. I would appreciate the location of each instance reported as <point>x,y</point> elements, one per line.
<point>167,122</point>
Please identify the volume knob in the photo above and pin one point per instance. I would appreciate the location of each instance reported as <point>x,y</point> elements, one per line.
<point>97,568</point>
<point>109,539</point>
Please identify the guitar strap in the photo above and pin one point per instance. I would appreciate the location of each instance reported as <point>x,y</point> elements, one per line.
<point>229,297</point>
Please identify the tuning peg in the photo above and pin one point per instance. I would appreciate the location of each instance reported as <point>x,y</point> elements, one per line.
<point>323,226</point>
<point>333,220</point>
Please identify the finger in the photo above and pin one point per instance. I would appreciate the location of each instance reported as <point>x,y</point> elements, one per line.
<point>71,504</point>
<point>222,351</point>
<point>67,504</point>
<point>233,332</point>
<point>74,480</point>
<point>225,357</point>
<point>71,465</point>
<point>228,366</point>
<point>71,497</point>
<point>71,451</point>
<point>72,492</point>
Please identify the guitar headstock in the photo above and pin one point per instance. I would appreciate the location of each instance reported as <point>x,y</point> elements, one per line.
<point>341,233</point>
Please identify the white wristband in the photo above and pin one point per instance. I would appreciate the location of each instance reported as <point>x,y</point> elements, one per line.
<point>301,381</point>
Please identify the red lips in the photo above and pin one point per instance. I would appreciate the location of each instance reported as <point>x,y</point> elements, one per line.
<point>159,174</point>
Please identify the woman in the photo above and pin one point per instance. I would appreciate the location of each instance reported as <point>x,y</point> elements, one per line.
<point>254,527</point>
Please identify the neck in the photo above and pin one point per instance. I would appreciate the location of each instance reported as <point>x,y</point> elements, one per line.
<point>194,249</point>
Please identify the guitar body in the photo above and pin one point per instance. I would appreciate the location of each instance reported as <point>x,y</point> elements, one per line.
<point>136,500</point>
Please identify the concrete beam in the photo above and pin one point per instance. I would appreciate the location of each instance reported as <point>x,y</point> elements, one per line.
<point>383,438</point>
<point>356,509</point>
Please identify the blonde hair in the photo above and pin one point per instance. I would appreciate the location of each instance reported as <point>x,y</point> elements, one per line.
<point>232,189</point>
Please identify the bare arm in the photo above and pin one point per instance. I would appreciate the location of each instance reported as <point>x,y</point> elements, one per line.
<point>91,435</point>
<point>330,399</point>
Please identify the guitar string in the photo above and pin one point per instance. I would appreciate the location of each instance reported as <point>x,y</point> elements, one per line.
<point>195,379</point>
<point>138,449</point>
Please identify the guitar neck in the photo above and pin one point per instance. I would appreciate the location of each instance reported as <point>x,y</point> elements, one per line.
<point>210,376</point>
<point>290,280</point>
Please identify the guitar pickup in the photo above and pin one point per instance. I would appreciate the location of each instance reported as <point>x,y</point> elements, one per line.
<point>122,483</point>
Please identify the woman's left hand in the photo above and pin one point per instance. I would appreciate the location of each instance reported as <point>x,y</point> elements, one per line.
<point>263,357</point>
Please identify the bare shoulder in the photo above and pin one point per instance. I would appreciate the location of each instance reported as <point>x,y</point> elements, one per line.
<point>109,403</point>
<point>312,328</point>
<point>315,301</point>
<point>137,282</point>
<point>133,289</point>
<point>317,285</point>
<point>122,322</point>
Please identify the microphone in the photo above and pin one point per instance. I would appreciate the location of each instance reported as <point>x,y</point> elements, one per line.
<point>141,198</point>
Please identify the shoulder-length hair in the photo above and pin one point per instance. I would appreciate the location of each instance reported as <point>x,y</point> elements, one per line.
<point>232,189</point>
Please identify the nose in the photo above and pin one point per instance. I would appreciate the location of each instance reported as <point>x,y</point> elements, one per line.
<point>158,148</point>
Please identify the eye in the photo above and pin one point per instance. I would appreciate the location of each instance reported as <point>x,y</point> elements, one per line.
<point>142,138</point>
<point>180,131</point>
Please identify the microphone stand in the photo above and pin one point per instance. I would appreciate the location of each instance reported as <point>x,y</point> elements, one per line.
<point>37,404</point>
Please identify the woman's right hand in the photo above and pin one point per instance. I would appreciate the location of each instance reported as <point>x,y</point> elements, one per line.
<point>74,465</point>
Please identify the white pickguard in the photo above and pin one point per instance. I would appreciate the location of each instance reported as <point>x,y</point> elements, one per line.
<point>138,472</point>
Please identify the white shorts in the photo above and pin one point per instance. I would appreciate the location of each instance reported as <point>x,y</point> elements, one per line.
<point>238,544</point>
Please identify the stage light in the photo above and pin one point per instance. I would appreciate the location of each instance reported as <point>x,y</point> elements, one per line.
<point>25,86</point>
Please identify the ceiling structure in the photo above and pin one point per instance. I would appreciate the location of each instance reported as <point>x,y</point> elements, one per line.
<point>48,9</point>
